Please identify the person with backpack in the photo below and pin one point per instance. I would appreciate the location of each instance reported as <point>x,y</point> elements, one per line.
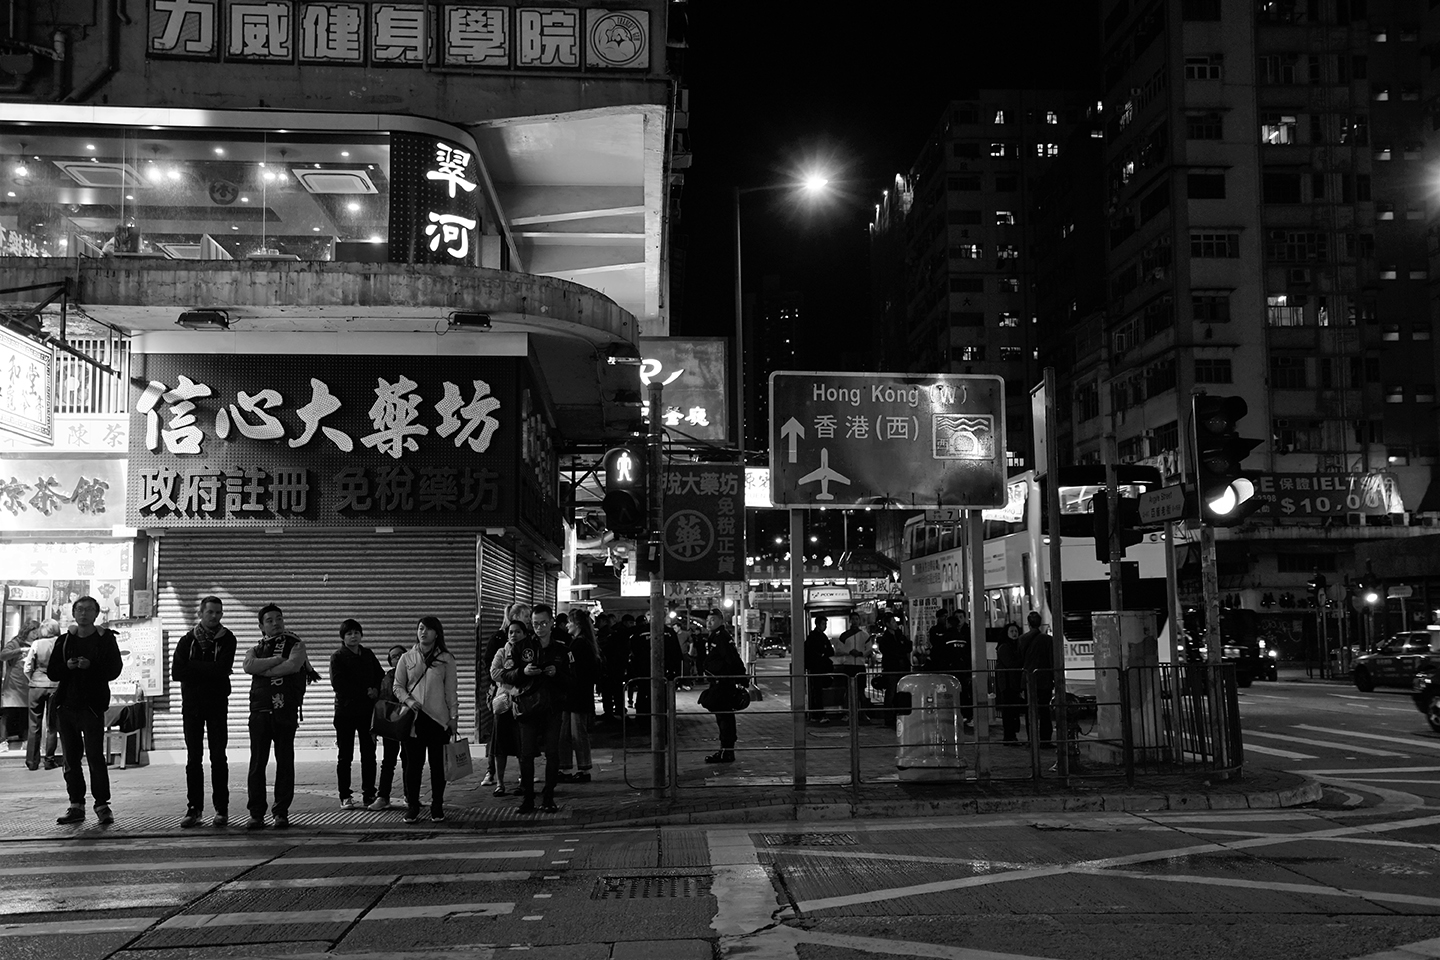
<point>203,661</point>
<point>42,698</point>
<point>355,675</point>
<point>85,659</point>
<point>277,669</point>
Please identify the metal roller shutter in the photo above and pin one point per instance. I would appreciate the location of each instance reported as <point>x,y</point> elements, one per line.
<point>387,582</point>
<point>497,585</point>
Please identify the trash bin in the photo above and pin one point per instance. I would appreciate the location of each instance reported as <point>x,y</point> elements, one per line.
<point>929,730</point>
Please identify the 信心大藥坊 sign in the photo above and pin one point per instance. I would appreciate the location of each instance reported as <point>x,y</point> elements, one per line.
<point>339,441</point>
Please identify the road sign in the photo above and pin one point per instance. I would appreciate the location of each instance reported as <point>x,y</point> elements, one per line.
<point>1401,591</point>
<point>1158,506</point>
<point>898,439</point>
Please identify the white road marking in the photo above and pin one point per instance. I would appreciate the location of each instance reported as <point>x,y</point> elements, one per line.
<point>301,883</point>
<point>53,868</point>
<point>70,928</point>
<point>894,948</point>
<point>266,918</point>
<point>1409,951</point>
<point>1409,742</point>
<point>1321,773</point>
<point>100,896</point>
<point>1431,781</point>
<point>1273,752</point>
<point>893,857</point>
<point>418,910</point>
<point>1269,885</point>
<point>446,855</point>
<point>477,877</point>
<point>1368,751</point>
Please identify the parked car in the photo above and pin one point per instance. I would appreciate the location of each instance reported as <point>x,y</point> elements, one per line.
<point>772,646</point>
<point>1426,687</point>
<point>1253,660</point>
<point>1395,662</point>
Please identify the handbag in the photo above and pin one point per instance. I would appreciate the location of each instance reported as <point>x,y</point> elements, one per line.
<point>503,699</point>
<point>393,719</point>
<point>714,699</point>
<point>535,701</point>
<point>458,764</point>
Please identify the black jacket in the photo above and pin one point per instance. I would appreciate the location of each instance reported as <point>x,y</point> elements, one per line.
<point>203,670</point>
<point>352,675</point>
<point>89,688</point>
<point>519,655</point>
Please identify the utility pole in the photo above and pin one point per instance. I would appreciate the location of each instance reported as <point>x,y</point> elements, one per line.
<point>659,702</point>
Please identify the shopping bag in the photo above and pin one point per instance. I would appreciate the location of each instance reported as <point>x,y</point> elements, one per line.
<point>458,764</point>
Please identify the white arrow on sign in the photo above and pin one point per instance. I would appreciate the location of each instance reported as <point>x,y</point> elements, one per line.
<point>794,432</point>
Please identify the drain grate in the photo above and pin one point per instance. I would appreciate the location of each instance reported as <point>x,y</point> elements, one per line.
<point>809,839</point>
<point>655,887</point>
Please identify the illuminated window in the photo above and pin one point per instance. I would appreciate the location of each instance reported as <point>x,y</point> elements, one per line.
<point>1051,117</point>
<point>1004,218</point>
<point>1012,353</point>
<point>972,352</point>
<point>1009,284</point>
<point>1047,149</point>
<point>1277,129</point>
<point>1280,312</point>
<point>1000,116</point>
<point>1009,319</point>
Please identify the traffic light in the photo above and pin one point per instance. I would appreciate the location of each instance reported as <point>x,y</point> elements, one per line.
<point>627,500</point>
<point>1316,586</point>
<point>1227,494</point>
<point>1128,520</point>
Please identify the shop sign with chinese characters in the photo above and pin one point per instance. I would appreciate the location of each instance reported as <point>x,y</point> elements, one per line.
<point>1328,494</point>
<point>89,433</point>
<point>338,441</point>
<point>704,533</point>
<point>694,376</point>
<point>70,560</point>
<point>27,378</point>
<point>342,33</point>
<point>434,201</point>
<point>61,494</point>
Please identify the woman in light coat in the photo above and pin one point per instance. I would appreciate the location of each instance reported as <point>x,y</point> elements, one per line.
<point>427,681</point>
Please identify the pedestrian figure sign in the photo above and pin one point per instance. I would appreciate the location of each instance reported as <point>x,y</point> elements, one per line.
<point>899,439</point>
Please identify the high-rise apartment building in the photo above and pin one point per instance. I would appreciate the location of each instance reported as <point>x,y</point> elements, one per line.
<point>953,244</point>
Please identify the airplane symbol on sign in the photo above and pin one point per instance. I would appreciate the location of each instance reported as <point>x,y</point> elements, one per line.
<point>825,476</point>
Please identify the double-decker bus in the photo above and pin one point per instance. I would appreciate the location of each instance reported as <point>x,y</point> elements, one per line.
<point>1016,560</point>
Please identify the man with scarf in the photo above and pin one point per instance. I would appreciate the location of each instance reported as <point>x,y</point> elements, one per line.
<point>277,685</point>
<point>202,663</point>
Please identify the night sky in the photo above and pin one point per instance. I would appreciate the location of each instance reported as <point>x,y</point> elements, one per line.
<point>779,87</point>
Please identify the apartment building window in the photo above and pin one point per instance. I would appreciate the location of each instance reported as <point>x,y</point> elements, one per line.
<point>1211,307</point>
<point>1409,33</point>
<point>1278,129</point>
<point>1087,402</point>
<point>1159,377</point>
<point>967,115</point>
<point>1166,436</point>
<point>1000,117</point>
<point>1215,245</point>
<point>1008,319</point>
<point>1205,186</point>
<point>1006,184</point>
<point>1007,253</point>
<point>1130,449</point>
<point>1280,311</point>
<point>1356,131</point>
<point>1159,315</point>
<point>1153,202</point>
<point>1389,272</point>
<point>1380,91</point>
<point>1317,186</point>
<point>1212,370</point>
<point>1204,126</point>
<point>970,150</point>
<point>963,183</point>
<point>1410,91</point>
<point>1360,67</point>
<point>1012,353</point>
<point>1004,218</point>
<point>1199,9</point>
<point>1424,393</point>
<point>1209,67</point>
<point>1360,245</point>
<point>968,318</point>
<point>963,218</point>
<point>1397,456</point>
<point>1288,373</point>
<point>1277,68</point>
<point>1379,35</point>
<point>1009,284</point>
<point>1390,332</point>
<point>1384,211</point>
<point>1369,431</point>
<point>1299,436</point>
<point>1395,393</point>
<point>1419,331</point>
<point>1006,150</point>
<point>1051,117</point>
<point>972,353</point>
<point>967,285</point>
<point>967,251</point>
<point>1047,149</point>
<point>1297,245</point>
<point>1414,213</point>
<point>1413,150</point>
<point>1278,186</point>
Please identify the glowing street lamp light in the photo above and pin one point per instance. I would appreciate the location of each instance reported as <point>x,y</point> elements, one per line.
<point>815,183</point>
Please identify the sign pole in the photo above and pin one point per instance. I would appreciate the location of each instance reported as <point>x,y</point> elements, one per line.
<point>1173,615</point>
<point>1057,581</point>
<point>979,661</point>
<point>660,707</point>
<point>798,687</point>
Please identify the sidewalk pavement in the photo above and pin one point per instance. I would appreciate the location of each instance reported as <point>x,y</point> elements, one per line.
<point>758,787</point>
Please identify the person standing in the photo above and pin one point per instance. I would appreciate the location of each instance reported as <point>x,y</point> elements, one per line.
<point>201,665</point>
<point>485,718</point>
<point>894,664</point>
<point>42,698</point>
<point>277,685</point>
<point>1010,684</point>
<point>85,659</point>
<point>851,648</point>
<point>580,701</point>
<point>505,743</point>
<point>429,683</point>
<point>818,667</point>
<point>355,675</point>
<point>390,748</point>
<point>1037,656</point>
<point>539,669</point>
<point>15,687</point>
<point>727,672</point>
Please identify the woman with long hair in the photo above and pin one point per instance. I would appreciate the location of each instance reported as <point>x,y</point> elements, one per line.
<point>427,681</point>
<point>505,738</point>
<point>485,685</point>
<point>580,702</point>
<point>539,669</point>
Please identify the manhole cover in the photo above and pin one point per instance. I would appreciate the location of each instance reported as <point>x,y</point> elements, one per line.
<point>650,887</point>
<point>809,839</point>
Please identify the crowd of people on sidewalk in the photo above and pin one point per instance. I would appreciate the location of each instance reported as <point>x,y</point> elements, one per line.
<point>537,680</point>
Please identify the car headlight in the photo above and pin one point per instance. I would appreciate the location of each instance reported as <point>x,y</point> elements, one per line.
<point>1421,681</point>
<point>1274,654</point>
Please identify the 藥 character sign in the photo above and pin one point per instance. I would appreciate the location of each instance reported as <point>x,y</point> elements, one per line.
<point>863,439</point>
<point>704,532</point>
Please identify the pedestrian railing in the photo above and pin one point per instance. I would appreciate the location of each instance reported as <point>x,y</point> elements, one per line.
<point>874,727</point>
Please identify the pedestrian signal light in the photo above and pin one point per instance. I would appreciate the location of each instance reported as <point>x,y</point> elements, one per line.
<point>1227,493</point>
<point>627,499</point>
<point>1127,522</point>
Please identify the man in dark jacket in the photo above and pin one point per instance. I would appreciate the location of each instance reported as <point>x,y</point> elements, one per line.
<point>355,674</point>
<point>277,685</point>
<point>1037,654</point>
<point>894,663</point>
<point>818,667</point>
<point>201,665</point>
<point>85,660</point>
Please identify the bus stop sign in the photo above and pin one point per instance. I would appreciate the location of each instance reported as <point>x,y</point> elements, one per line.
<point>887,439</point>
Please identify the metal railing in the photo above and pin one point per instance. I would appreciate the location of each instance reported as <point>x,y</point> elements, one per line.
<point>873,727</point>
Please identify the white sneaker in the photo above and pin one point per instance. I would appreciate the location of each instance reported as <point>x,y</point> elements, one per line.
<point>489,780</point>
<point>380,803</point>
<point>348,803</point>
